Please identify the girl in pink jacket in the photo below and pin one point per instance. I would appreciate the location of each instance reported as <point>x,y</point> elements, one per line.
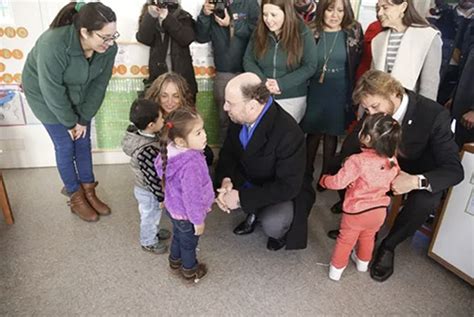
<point>367,177</point>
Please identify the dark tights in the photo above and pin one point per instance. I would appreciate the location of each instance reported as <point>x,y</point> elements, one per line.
<point>329,150</point>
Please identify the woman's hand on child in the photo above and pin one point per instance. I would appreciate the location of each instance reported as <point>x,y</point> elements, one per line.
<point>199,229</point>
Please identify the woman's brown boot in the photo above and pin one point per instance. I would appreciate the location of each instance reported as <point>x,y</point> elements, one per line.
<point>81,207</point>
<point>89,191</point>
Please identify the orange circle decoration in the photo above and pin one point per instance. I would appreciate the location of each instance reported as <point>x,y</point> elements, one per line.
<point>22,32</point>
<point>2,32</point>
<point>10,32</point>
<point>144,70</point>
<point>135,70</point>
<point>121,69</point>
<point>211,71</point>
<point>6,53</point>
<point>2,67</point>
<point>17,54</point>
<point>7,78</point>
<point>17,78</point>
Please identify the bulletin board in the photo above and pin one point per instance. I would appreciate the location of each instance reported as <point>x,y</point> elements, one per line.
<point>23,140</point>
<point>453,241</point>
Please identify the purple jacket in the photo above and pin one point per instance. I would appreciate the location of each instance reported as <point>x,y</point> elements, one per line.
<point>188,188</point>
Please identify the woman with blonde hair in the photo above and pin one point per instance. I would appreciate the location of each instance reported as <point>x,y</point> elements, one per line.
<point>282,53</point>
<point>171,91</point>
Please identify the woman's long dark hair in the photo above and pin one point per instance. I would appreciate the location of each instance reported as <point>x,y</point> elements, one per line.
<point>92,16</point>
<point>348,20</point>
<point>290,36</point>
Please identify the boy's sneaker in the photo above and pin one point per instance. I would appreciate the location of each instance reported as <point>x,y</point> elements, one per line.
<point>195,274</point>
<point>362,266</point>
<point>335,273</point>
<point>163,234</point>
<point>157,248</point>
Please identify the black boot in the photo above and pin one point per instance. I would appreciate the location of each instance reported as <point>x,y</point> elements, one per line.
<point>247,226</point>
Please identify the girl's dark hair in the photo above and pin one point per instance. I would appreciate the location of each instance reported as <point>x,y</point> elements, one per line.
<point>385,134</point>
<point>92,16</point>
<point>178,124</point>
<point>347,22</point>
<point>290,37</point>
<point>143,112</point>
<point>153,92</point>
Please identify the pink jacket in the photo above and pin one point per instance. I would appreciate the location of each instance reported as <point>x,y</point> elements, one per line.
<point>368,176</point>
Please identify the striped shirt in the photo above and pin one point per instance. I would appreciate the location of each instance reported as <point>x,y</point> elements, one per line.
<point>394,41</point>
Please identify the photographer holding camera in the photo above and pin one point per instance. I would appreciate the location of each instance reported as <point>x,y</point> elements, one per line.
<point>228,24</point>
<point>168,30</point>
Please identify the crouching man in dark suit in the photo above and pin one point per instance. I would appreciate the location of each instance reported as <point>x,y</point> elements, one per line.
<point>428,157</point>
<point>261,165</point>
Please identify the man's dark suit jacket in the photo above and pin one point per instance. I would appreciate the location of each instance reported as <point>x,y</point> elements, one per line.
<point>427,145</point>
<point>274,163</point>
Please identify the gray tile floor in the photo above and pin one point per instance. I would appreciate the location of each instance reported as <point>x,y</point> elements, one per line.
<point>53,264</point>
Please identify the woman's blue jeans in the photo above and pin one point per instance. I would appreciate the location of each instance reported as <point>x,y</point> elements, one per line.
<point>73,158</point>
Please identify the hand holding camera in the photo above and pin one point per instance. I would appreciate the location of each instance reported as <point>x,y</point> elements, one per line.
<point>158,12</point>
<point>216,7</point>
<point>224,22</point>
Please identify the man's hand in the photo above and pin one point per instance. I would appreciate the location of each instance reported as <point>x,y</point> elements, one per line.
<point>404,183</point>
<point>232,200</point>
<point>225,22</point>
<point>208,8</point>
<point>468,119</point>
<point>226,186</point>
<point>199,229</point>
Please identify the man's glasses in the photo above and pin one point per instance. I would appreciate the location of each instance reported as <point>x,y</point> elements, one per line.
<point>107,39</point>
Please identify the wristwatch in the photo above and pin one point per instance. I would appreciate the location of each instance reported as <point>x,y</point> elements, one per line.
<point>423,182</point>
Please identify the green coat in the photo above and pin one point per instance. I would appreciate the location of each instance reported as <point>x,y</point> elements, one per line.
<point>60,84</point>
<point>291,80</point>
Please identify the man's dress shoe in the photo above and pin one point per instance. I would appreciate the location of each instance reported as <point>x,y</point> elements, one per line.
<point>276,244</point>
<point>382,266</point>
<point>246,226</point>
<point>333,234</point>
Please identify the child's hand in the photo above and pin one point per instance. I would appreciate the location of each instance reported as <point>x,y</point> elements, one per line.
<point>199,229</point>
<point>321,181</point>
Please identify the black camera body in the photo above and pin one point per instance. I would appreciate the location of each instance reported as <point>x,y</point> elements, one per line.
<point>219,7</point>
<point>164,4</point>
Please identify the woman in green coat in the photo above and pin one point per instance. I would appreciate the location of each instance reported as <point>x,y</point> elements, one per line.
<point>64,78</point>
<point>282,52</point>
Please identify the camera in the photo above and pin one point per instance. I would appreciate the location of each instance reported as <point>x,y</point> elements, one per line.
<point>219,7</point>
<point>164,4</point>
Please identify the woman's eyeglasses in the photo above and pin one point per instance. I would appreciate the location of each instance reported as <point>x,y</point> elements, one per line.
<point>107,39</point>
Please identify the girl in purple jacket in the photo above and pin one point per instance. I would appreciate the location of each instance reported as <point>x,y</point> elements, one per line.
<point>188,187</point>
